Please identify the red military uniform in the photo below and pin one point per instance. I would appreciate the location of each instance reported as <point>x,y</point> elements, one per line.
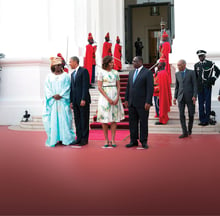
<point>107,47</point>
<point>117,55</point>
<point>165,49</point>
<point>89,59</point>
<point>165,98</point>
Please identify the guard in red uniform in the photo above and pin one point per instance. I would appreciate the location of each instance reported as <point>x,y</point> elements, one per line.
<point>165,98</point>
<point>107,47</point>
<point>89,59</point>
<point>117,55</point>
<point>165,49</point>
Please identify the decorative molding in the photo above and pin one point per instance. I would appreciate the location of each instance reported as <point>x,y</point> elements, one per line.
<point>24,61</point>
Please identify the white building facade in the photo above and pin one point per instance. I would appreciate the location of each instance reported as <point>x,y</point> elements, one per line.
<point>34,30</point>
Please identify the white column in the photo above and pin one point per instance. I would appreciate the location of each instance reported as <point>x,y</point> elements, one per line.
<point>108,17</point>
<point>23,28</point>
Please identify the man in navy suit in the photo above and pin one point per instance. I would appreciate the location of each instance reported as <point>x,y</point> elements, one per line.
<point>80,100</point>
<point>138,99</point>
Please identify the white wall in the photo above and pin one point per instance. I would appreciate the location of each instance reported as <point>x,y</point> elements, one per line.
<point>34,30</point>
<point>21,88</point>
<point>196,27</point>
<point>41,28</point>
<point>24,28</point>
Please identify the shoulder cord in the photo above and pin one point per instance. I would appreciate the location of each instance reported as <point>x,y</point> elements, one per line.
<point>210,73</point>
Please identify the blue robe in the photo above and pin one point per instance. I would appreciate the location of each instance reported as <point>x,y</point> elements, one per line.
<point>57,115</point>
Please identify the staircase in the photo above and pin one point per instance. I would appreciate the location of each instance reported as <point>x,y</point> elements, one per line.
<point>35,123</point>
<point>172,127</point>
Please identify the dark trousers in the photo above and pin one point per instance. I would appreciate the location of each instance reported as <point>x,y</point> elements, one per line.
<point>137,115</point>
<point>204,98</point>
<point>191,112</point>
<point>156,101</point>
<point>93,74</point>
<point>81,116</point>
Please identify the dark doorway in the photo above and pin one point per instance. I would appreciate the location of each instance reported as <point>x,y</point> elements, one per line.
<point>152,45</point>
<point>140,22</point>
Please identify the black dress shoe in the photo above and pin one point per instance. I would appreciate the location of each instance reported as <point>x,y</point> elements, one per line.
<point>132,144</point>
<point>203,123</point>
<point>91,87</point>
<point>59,143</point>
<point>75,142</point>
<point>158,123</point>
<point>183,136</point>
<point>145,146</point>
<point>189,132</point>
<point>83,142</point>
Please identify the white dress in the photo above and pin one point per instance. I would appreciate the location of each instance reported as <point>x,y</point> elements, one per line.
<point>57,116</point>
<point>107,112</point>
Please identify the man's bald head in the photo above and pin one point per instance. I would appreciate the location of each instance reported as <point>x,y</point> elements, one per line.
<point>181,65</point>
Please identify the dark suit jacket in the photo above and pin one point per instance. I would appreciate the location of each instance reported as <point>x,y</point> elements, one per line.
<point>141,91</point>
<point>185,87</point>
<point>80,87</point>
<point>204,70</point>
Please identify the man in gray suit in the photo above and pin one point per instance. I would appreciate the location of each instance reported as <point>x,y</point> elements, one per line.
<point>185,94</point>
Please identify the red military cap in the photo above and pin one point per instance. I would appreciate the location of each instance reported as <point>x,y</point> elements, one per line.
<point>90,36</point>
<point>165,35</point>
<point>107,35</point>
<point>60,55</point>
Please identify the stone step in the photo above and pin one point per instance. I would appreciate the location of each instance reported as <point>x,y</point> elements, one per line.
<point>172,116</point>
<point>176,128</point>
<point>170,128</point>
<point>173,126</point>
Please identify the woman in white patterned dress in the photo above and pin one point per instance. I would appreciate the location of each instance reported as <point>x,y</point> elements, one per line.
<point>110,108</point>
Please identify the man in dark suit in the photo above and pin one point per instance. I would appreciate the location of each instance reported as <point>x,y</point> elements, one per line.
<point>207,73</point>
<point>185,94</point>
<point>80,100</point>
<point>138,46</point>
<point>138,99</point>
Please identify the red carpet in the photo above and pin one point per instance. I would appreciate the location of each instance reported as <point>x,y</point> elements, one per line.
<point>172,177</point>
<point>99,135</point>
